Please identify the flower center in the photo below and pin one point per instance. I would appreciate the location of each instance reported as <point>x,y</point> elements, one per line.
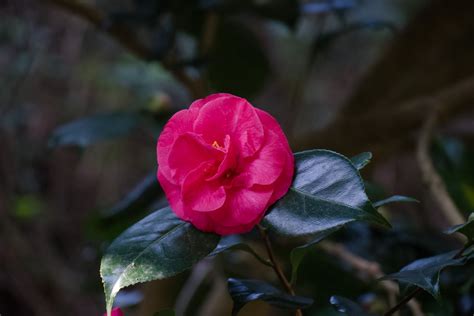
<point>216,145</point>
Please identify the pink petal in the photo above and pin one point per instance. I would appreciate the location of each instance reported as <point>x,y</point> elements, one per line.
<point>173,194</point>
<point>187,153</point>
<point>243,206</point>
<point>229,163</point>
<point>200,195</point>
<point>201,102</point>
<point>180,123</point>
<point>234,116</point>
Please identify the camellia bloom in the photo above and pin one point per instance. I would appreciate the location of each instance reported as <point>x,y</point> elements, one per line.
<point>222,163</point>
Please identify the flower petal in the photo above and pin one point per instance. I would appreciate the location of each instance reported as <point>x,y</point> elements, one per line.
<point>200,195</point>
<point>243,206</point>
<point>201,102</point>
<point>180,123</point>
<point>234,116</point>
<point>187,153</point>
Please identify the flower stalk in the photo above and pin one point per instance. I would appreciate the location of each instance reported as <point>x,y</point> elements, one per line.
<point>276,267</point>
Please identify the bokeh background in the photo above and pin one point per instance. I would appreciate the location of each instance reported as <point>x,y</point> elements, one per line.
<point>86,86</point>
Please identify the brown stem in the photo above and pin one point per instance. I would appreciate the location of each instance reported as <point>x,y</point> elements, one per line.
<point>402,303</point>
<point>407,298</point>
<point>430,175</point>
<point>276,267</point>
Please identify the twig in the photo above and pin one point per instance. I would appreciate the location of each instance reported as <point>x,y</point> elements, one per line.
<point>430,176</point>
<point>127,39</point>
<point>393,123</point>
<point>276,267</point>
<point>404,301</point>
<point>367,271</point>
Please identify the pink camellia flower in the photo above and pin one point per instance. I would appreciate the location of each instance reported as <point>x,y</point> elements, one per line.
<point>116,312</point>
<point>222,163</point>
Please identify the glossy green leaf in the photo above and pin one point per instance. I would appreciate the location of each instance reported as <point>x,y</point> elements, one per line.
<point>157,247</point>
<point>348,307</point>
<point>395,199</point>
<point>234,242</point>
<point>424,273</point>
<point>467,229</point>
<point>297,254</point>
<point>90,130</point>
<point>327,192</point>
<point>361,160</point>
<point>245,291</point>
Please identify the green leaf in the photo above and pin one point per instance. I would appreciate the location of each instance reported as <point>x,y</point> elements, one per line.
<point>90,130</point>
<point>245,291</point>
<point>394,199</point>
<point>424,273</point>
<point>138,199</point>
<point>327,192</point>
<point>157,247</point>
<point>361,160</point>
<point>467,229</point>
<point>234,242</point>
<point>348,307</point>
<point>298,253</point>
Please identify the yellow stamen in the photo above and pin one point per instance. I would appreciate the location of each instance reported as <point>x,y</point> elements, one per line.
<point>215,144</point>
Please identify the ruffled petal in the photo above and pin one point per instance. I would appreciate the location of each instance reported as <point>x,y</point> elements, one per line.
<point>187,153</point>
<point>180,123</point>
<point>201,102</point>
<point>243,206</point>
<point>234,116</point>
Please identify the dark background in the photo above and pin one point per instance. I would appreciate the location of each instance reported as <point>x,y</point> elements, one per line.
<point>345,75</point>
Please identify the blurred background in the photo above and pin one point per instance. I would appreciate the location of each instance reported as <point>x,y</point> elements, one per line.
<point>86,86</point>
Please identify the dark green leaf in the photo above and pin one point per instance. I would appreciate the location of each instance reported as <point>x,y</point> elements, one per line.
<point>327,192</point>
<point>394,199</point>
<point>361,160</point>
<point>234,242</point>
<point>245,291</point>
<point>467,229</point>
<point>298,253</point>
<point>157,247</point>
<point>348,307</point>
<point>89,130</point>
<point>140,197</point>
<point>424,273</point>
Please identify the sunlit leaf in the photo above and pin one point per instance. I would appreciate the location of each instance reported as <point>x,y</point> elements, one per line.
<point>157,247</point>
